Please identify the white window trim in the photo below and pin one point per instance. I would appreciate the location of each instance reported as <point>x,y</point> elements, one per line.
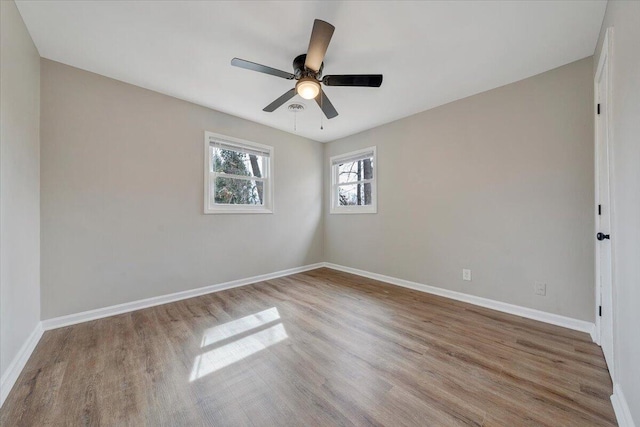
<point>335,208</point>
<point>267,207</point>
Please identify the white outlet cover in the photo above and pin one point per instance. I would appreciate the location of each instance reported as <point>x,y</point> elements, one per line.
<point>466,274</point>
<point>540,288</point>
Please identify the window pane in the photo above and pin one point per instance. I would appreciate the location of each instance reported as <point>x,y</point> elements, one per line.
<point>235,191</point>
<point>237,163</point>
<point>355,171</point>
<point>354,194</point>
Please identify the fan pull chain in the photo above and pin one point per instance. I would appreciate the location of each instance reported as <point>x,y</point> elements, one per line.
<point>321,110</point>
<point>295,121</point>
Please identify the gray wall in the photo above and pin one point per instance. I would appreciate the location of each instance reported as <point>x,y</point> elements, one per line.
<point>624,17</point>
<point>19,184</point>
<point>122,196</point>
<point>501,183</point>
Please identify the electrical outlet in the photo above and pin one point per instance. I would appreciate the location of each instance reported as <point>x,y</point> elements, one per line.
<point>540,288</point>
<point>466,274</point>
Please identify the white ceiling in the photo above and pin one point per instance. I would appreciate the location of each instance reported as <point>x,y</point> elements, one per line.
<point>430,53</point>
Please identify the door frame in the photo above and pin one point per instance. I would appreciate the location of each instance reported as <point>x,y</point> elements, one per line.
<point>605,59</point>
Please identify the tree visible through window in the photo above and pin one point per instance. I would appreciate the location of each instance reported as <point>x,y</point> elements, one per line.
<point>233,190</point>
<point>353,182</point>
<point>358,171</point>
<point>238,175</point>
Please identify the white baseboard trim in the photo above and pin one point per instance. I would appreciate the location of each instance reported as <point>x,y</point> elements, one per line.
<point>99,313</point>
<point>621,408</point>
<point>18,363</point>
<point>529,313</point>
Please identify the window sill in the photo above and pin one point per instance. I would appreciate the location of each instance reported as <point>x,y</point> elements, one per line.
<point>359,210</point>
<point>239,210</point>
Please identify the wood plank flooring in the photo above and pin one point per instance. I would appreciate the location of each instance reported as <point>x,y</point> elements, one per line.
<point>320,348</point>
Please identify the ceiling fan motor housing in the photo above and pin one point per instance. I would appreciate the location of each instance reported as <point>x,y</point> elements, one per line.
<point>300,71</point>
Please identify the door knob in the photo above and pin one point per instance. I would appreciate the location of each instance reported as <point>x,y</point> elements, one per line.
<point>602,236</point>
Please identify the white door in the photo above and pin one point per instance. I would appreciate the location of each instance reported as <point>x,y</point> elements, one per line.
<point>603,221</point>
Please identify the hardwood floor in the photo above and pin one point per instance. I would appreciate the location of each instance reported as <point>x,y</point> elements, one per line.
<point>319,348</point>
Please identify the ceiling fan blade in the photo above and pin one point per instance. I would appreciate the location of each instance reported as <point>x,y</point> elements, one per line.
<point>278,102</point>
<point>320,38</point>
<point>237,62</point>
<point>325,105</point>
<point>362,80</point>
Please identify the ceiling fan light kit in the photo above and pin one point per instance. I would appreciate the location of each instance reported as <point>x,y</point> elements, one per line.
<point>308,87</point>
<point>308,73</point>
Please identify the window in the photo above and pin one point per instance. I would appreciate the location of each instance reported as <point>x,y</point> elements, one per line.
<point>353,182</point>
<point>237,175</point>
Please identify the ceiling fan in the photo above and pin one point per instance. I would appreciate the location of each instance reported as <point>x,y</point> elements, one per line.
<point>308,73</point>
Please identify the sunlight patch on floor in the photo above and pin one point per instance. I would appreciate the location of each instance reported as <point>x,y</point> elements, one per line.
<point>236,327</point>
<point>232,352</point>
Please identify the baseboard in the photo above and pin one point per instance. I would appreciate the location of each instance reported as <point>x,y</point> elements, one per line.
<point>621,408</point>
<point>99,313</point>
<point>18,363</point>
<point>529,313</point>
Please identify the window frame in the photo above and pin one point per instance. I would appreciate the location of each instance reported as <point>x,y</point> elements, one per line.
<point>335,207</point>
<point>267,179</point>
